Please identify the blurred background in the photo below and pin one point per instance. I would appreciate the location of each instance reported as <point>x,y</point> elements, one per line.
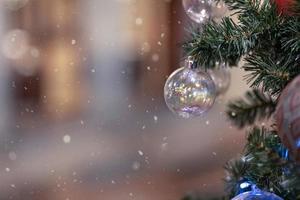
<point>82,109</point>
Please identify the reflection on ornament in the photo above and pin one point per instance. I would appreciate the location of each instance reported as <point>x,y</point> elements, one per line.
<point>199,11</point>
<point>15,44</point>
<point>287,118</point>
<point>257,194</point>
<point>14,4</point>
<point>221,77</point>
<point>27,65</point>
<point>219,9</point>
<point>189,93</point>
<point>244,186</point>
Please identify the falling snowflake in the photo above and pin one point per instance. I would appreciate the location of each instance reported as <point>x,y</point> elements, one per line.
<point>139,21</point>
<point>155,57</point>
<point>67,139</point>
<point>141,153</point>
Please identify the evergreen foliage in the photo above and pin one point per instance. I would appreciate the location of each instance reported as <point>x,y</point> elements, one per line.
<point>269,43</point>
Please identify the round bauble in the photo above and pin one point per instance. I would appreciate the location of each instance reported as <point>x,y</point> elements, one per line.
<point>221,77</point>
<point>189,92</point>
<point>257,194</point>
<point>199,11</point>
<point>288,117</point>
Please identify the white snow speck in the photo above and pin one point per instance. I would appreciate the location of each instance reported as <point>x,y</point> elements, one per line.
<point>73,42</point>
<point>164,146</point>
<point>141,153</point>
<point>155,57</point>
<point>7,169</point>
<point>139,21</point>
<point>67,139</point>
<point>155,118</point>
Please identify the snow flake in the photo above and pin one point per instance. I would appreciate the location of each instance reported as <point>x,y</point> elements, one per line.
<point>140,153</point>
<point>164,146</point>
<point>67,139</point>
<point>155,57</point>
<point>139,21</point>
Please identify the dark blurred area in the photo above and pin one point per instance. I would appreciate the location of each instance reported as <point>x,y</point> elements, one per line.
<point>82,109</point>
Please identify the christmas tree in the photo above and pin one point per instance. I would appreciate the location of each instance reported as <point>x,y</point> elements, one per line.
<point>267,37</point>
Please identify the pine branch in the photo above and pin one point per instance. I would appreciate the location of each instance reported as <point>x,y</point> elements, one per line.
<point>264,167</point>
<point>256,106</point>
<point>236,172</point>
<point>295,8</point>
<point>271,74</point>
<point>226,41</point>
<point>270,44</point>
<point>291,36</point>
<point>243,6</point>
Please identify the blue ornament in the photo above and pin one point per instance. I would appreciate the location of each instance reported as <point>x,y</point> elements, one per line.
<point>283,152</point>
<point>257,194</point>
<point>244,186</point>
